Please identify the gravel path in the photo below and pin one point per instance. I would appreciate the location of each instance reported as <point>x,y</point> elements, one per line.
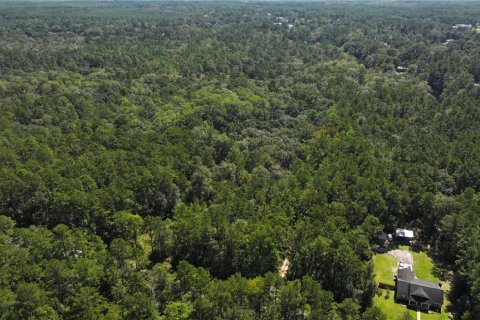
<point>403,256</point>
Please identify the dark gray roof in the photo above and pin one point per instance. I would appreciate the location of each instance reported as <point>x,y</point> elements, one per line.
<point>403,288</point>
<point>405,274</point>
<point>433,294</point>
<point>423,283</point>
<point>419,292</point>
<point>429,292</point>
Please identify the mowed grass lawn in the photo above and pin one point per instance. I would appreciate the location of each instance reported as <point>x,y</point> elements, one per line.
<point>423,267</point>
<point>385,267</point>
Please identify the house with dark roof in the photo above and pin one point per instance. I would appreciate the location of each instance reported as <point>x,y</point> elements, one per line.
<point>416,293</point>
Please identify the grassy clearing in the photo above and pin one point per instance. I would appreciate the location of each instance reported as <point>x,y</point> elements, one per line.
<point>423,267</point>
<point>384,267</point>
<point>422,264</point>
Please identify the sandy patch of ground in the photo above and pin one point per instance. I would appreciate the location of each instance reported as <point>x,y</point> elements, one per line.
<point>284,268</point>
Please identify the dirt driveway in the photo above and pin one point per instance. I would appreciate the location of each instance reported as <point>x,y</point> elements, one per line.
<point>403,256</point>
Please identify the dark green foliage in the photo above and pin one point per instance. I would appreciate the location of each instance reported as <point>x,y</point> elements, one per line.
<point>160,160</point>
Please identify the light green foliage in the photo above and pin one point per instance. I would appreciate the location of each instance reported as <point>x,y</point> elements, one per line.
<point>405,316</point>
<point>385,267</point>
<point>423,266</point>
<point>374,313</point>
<point>177,311</point>
<point>126,225</point>
<point>6,226</point>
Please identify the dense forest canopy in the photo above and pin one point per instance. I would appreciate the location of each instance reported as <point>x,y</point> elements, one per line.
<point>159,160</point>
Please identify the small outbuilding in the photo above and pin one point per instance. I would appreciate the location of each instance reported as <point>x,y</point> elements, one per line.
<point>381,239</point>
<point>404,235</point>
<point>382,236</point>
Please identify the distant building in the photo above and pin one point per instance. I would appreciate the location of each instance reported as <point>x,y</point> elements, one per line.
<point>417,293</point>
<point>462,26</point>
<point>403,235</point>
